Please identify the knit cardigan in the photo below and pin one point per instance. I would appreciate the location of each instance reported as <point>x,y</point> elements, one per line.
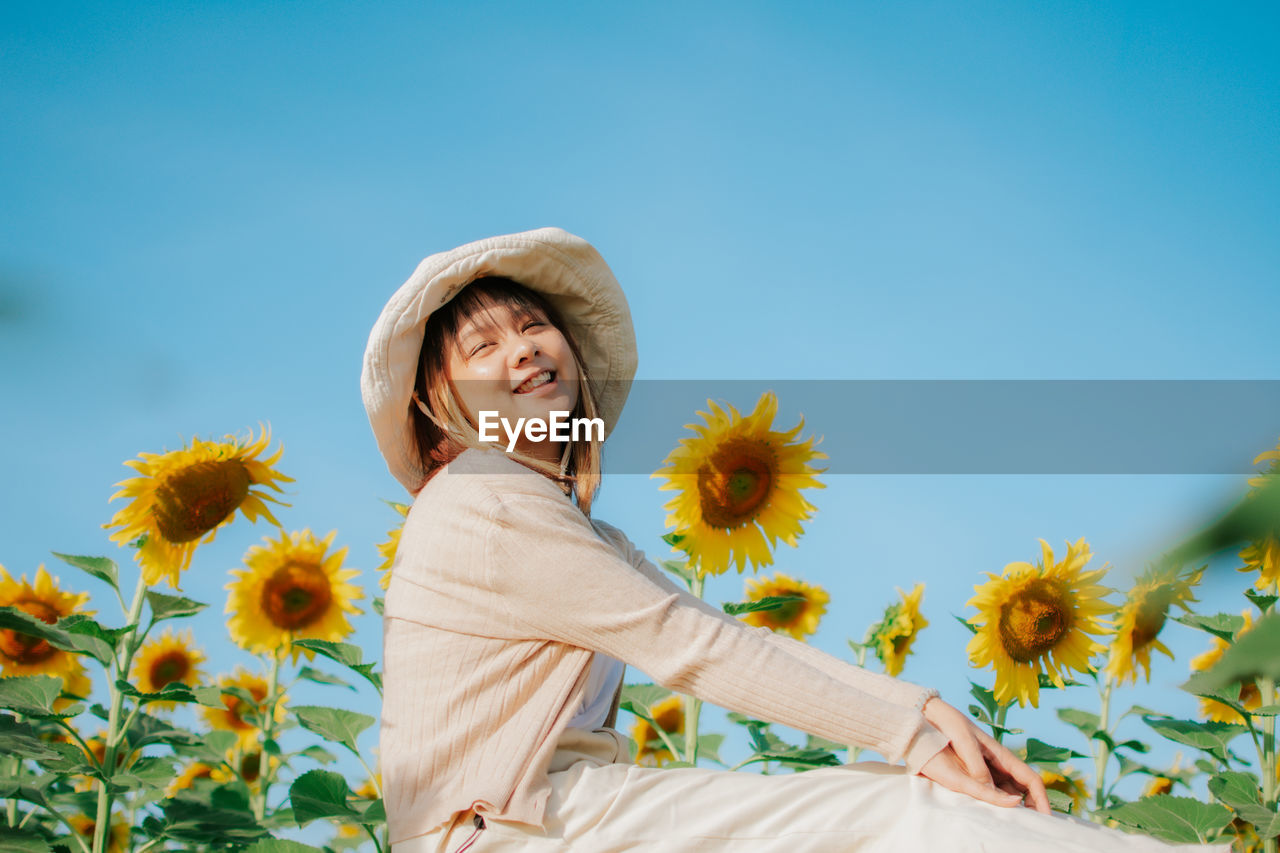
<point>500,591</point>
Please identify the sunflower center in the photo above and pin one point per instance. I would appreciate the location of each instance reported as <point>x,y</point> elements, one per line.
<point>168,668</point>
<point>670,719</point>
<point>1034,620</point>
<point>296,595</point>
<point>735,482</point>
<point>24,648</point>
<point>251,766</point>
<point>194,500</point>
<point>1150,615</point>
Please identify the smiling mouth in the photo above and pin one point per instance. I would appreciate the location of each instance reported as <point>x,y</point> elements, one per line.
<point>535,382</point>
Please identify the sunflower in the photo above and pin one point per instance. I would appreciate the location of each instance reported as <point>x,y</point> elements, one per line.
<point>1250,698</point>
<point>738,482</point>
<point>1263,556</point>
<point>1157,786</point>
<point>669,715</point>
<point>292,589</point>
<point>388,549</point>
<point>232,718</point>
<point>184,496</point>
<point>1038,618</point>
<point>892,636</point>
<point>23,654</point>
<point>1068,782</point>
<point>799,618</point>
<point>167,659</point>
<point>1141,618</point>
<point>117,838</point>
<point>193,771</point>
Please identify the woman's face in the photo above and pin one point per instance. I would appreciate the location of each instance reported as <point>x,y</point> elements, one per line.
<point>519,366</point>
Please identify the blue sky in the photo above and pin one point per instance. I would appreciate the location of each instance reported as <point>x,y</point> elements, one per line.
<point>209,204</point>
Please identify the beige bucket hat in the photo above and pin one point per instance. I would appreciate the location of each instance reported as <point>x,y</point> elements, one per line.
<point>565,269</point>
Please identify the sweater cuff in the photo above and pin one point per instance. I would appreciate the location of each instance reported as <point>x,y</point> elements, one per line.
<point>927,743</point>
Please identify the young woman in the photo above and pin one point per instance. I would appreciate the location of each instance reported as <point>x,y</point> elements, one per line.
<point>511,613</point>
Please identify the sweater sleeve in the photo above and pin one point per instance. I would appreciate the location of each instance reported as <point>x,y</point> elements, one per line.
<point>887,687</point>
<point>559,580</point>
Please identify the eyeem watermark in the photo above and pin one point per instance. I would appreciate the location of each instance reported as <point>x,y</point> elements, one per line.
<point>561,428</point>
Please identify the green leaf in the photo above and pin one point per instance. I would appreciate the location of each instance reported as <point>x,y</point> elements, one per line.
<point>31,695</point>
<point>1060,801</point>
<point>379,605</point>
<point>1180,820</point>
<point>55,635</point>
<point>1212,737</point>
<point>318,754</point>
<point>1088,723</point>
<point>638,698</point>
<point>222,822</point>
<point>308,674</point>
<point>146,730</point>
<point>335,724</point>
<point>1253,517</point>
<point>172,606</point>
<point>986,698</point>
<point>1262,602</point>
<point>14,840</point>
<point>1251,656</point>
<point>672,539</point>
<point>101,568</point>
<point>815,742</point>
<point>280,845</point>
<point>1240,791</point>
<point>769,602</point>
<point>709,747</point>
<point>24,740</point>
<point>346,654</point>
<point>318,794</point>
<point>1222,625</point>
<point>1039,752</point>
<point>374,814</point>
<point>965,622</point>
<point>174,691</point>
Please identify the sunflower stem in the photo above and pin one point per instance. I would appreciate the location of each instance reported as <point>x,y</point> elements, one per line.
<point>693,705</point>
<point>123,658</point>
<point>268,728</point>
<point>1102,752</point>
<point>373,835</point>
<point>997,730</point>
<point>11,808</point>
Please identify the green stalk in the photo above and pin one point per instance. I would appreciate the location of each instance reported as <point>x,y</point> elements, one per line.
<point>1102,752</point>
<point>997,730</point>
<point>15,768</point>
<point>1267,687</point>
<point>692,704</point>
<point>122,661</point>
<point>266,773</point>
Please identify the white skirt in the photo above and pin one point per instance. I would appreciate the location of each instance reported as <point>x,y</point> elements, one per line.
<point>600,803</point>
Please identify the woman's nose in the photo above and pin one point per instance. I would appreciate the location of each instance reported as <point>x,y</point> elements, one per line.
<point>522,349</point>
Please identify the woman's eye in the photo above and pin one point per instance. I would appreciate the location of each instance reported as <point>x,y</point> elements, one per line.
<point>480,347</point>
<point>532,324</point>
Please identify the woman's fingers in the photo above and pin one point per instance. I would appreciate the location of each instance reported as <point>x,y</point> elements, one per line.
<point>1011,768</point>
<point>962,734</point>
<point>947,770</point>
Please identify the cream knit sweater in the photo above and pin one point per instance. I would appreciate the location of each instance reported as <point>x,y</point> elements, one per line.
<point>500,591</point>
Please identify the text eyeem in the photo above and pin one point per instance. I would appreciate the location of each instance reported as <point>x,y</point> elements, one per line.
<point>560,427</point>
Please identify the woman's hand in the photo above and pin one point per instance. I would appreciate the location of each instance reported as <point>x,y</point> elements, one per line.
<point>975,764</point>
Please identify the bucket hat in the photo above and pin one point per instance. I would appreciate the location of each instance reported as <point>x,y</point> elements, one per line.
<point>563,268</point>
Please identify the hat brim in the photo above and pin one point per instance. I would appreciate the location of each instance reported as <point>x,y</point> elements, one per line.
<point>564,268</point>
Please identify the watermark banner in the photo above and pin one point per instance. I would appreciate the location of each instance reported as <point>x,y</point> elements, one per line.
<point>978,426</point>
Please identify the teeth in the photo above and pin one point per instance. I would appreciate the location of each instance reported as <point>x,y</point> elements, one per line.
<point>534,381</point>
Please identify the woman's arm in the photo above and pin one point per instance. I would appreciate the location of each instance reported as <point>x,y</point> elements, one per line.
<point>557,579</point>
<point>891,689</point>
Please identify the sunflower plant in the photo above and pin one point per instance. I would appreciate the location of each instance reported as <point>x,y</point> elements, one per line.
<point>146,781</point>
